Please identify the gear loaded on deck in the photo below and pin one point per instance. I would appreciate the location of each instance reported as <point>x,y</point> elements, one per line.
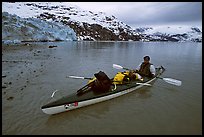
<point>126,77</point>
<point>100,83</point>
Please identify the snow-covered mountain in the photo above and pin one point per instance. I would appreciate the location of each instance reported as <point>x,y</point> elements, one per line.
<point>173,33</point>
<point>96,26</point>
<point>86,24</point>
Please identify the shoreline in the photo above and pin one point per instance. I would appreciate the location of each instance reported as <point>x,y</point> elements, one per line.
<point>20,64</point>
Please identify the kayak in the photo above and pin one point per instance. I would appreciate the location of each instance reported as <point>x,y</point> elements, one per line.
<point>87,95</point>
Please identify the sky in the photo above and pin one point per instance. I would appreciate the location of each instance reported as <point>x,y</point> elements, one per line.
<point>142,14</point>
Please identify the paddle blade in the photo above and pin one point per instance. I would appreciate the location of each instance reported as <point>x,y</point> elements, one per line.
<point>173,81</point>
<point>117,66</point>
<point>77,77</point>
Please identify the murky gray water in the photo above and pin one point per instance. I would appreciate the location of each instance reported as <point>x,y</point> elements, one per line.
<point>160,109</point>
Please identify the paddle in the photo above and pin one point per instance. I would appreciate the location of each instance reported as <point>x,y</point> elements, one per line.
<point>171,81</point>
<point>77,77</point>
<point>168,80</point>
<point>119,67</point>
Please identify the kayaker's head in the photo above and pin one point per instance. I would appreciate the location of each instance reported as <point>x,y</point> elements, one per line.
<point>146,59</point>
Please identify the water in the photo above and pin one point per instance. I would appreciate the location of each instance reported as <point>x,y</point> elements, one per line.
<point>160,109</point>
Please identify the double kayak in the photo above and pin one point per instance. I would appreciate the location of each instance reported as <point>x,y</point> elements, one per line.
<point>91,94</point>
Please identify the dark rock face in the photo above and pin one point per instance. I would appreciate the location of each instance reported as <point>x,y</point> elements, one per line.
<point>86,31</point>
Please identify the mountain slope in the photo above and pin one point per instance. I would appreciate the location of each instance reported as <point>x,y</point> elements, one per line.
<point>173,33</point>
<point>86,24</point>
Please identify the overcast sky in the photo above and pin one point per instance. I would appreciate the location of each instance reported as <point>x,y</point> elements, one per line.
<point>138,14</point>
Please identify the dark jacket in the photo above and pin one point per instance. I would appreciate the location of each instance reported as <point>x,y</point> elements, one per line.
<point>145,70</point>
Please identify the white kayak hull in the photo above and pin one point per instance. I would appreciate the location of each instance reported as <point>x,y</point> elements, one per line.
<point>75,105</point>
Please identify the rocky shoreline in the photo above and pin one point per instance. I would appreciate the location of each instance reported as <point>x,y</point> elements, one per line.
<point>20,65</point>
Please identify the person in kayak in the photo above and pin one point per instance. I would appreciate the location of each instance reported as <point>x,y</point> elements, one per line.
<point>146,68</point>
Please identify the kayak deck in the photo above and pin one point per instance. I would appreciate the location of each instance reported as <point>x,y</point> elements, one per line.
<point>86,93</point>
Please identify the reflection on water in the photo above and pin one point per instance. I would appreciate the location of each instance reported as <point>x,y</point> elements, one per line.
<point>160,109</point>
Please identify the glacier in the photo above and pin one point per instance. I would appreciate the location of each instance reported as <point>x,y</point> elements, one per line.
<point>16,29</point>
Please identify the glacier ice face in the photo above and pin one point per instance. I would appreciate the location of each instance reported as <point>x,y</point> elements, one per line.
<point>16,29</point>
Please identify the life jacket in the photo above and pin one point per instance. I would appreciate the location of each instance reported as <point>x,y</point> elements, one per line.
<point>123,77</point>
<point>145,69</point>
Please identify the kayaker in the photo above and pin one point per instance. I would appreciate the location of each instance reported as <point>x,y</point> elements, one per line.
<point>146,68</point>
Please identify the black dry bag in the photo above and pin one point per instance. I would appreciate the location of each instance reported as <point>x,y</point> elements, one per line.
<point>102,82</point>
